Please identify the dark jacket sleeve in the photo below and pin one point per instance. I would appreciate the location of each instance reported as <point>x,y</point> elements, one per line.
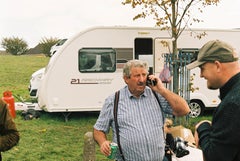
<point>220,141</point>
<point>9,136</point>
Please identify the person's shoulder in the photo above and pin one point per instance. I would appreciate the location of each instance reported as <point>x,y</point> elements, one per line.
<point>3,106</point>
<point>149,92</point>
<point>112,96</point>
<point>2,103</point>
<point>123,90</point>
<point>148,89</point>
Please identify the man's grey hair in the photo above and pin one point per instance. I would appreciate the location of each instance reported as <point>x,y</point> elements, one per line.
<point>133,63</point>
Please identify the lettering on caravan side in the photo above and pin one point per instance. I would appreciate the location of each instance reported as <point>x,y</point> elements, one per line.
<point>91,81</point>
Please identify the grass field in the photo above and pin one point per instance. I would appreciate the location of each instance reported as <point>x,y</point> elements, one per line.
<point>15,72</point>
<point>48,138</point>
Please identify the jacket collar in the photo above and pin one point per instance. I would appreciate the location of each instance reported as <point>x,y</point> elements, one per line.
<point>229,85</point>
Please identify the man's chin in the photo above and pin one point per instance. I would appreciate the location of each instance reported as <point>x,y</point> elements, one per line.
<point>211,87</point>
<point>141,88</point>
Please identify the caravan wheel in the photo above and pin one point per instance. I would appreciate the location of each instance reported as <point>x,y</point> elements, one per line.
<point>196,108</point>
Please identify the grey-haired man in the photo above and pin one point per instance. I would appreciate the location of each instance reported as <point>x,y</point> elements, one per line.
<point>140,118</point>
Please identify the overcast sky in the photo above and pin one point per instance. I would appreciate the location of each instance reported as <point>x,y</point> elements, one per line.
<point>34,19</point>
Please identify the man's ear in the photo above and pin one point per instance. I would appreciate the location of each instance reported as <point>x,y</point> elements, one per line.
<point>125,79</point>
<point>218,65</point>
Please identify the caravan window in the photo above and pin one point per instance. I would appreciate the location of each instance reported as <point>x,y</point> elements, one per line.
<point>97,60</point>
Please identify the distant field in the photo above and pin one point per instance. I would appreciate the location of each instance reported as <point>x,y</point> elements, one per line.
<point>15,72</point>
<point>48,138</point>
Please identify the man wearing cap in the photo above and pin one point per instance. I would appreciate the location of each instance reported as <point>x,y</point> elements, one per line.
<point>220,139</point>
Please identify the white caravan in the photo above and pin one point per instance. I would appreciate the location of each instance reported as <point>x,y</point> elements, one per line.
<point>88,67</point>
<point>35,82</point>
<point>56,46</point>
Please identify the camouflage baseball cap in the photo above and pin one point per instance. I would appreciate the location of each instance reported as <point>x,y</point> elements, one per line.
<point>214,50</point>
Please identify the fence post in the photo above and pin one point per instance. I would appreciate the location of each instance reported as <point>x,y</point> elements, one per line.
<point>89,151</point>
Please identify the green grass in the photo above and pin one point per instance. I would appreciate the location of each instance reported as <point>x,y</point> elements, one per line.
<point>48,138</point>
<point>15,72</point>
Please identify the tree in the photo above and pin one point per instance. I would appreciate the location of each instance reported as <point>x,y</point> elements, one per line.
<point>173,15</point>
<point>47,43</point>
<point>15,45</point>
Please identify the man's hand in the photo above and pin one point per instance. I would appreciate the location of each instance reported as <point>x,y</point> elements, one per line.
<point>105,148</point>
<point>196,133</point>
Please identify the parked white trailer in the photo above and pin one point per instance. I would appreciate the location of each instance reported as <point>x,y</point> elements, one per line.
<point>56,46</point>
<point>35,81</point>
<point>88,67</point>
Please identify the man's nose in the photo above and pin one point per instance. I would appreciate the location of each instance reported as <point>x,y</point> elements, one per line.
<point>142,78</point>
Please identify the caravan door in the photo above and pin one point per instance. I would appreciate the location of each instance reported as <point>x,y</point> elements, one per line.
<point>152,50</point>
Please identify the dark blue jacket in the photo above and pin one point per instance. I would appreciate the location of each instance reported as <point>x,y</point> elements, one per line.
<point>221,141</point>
